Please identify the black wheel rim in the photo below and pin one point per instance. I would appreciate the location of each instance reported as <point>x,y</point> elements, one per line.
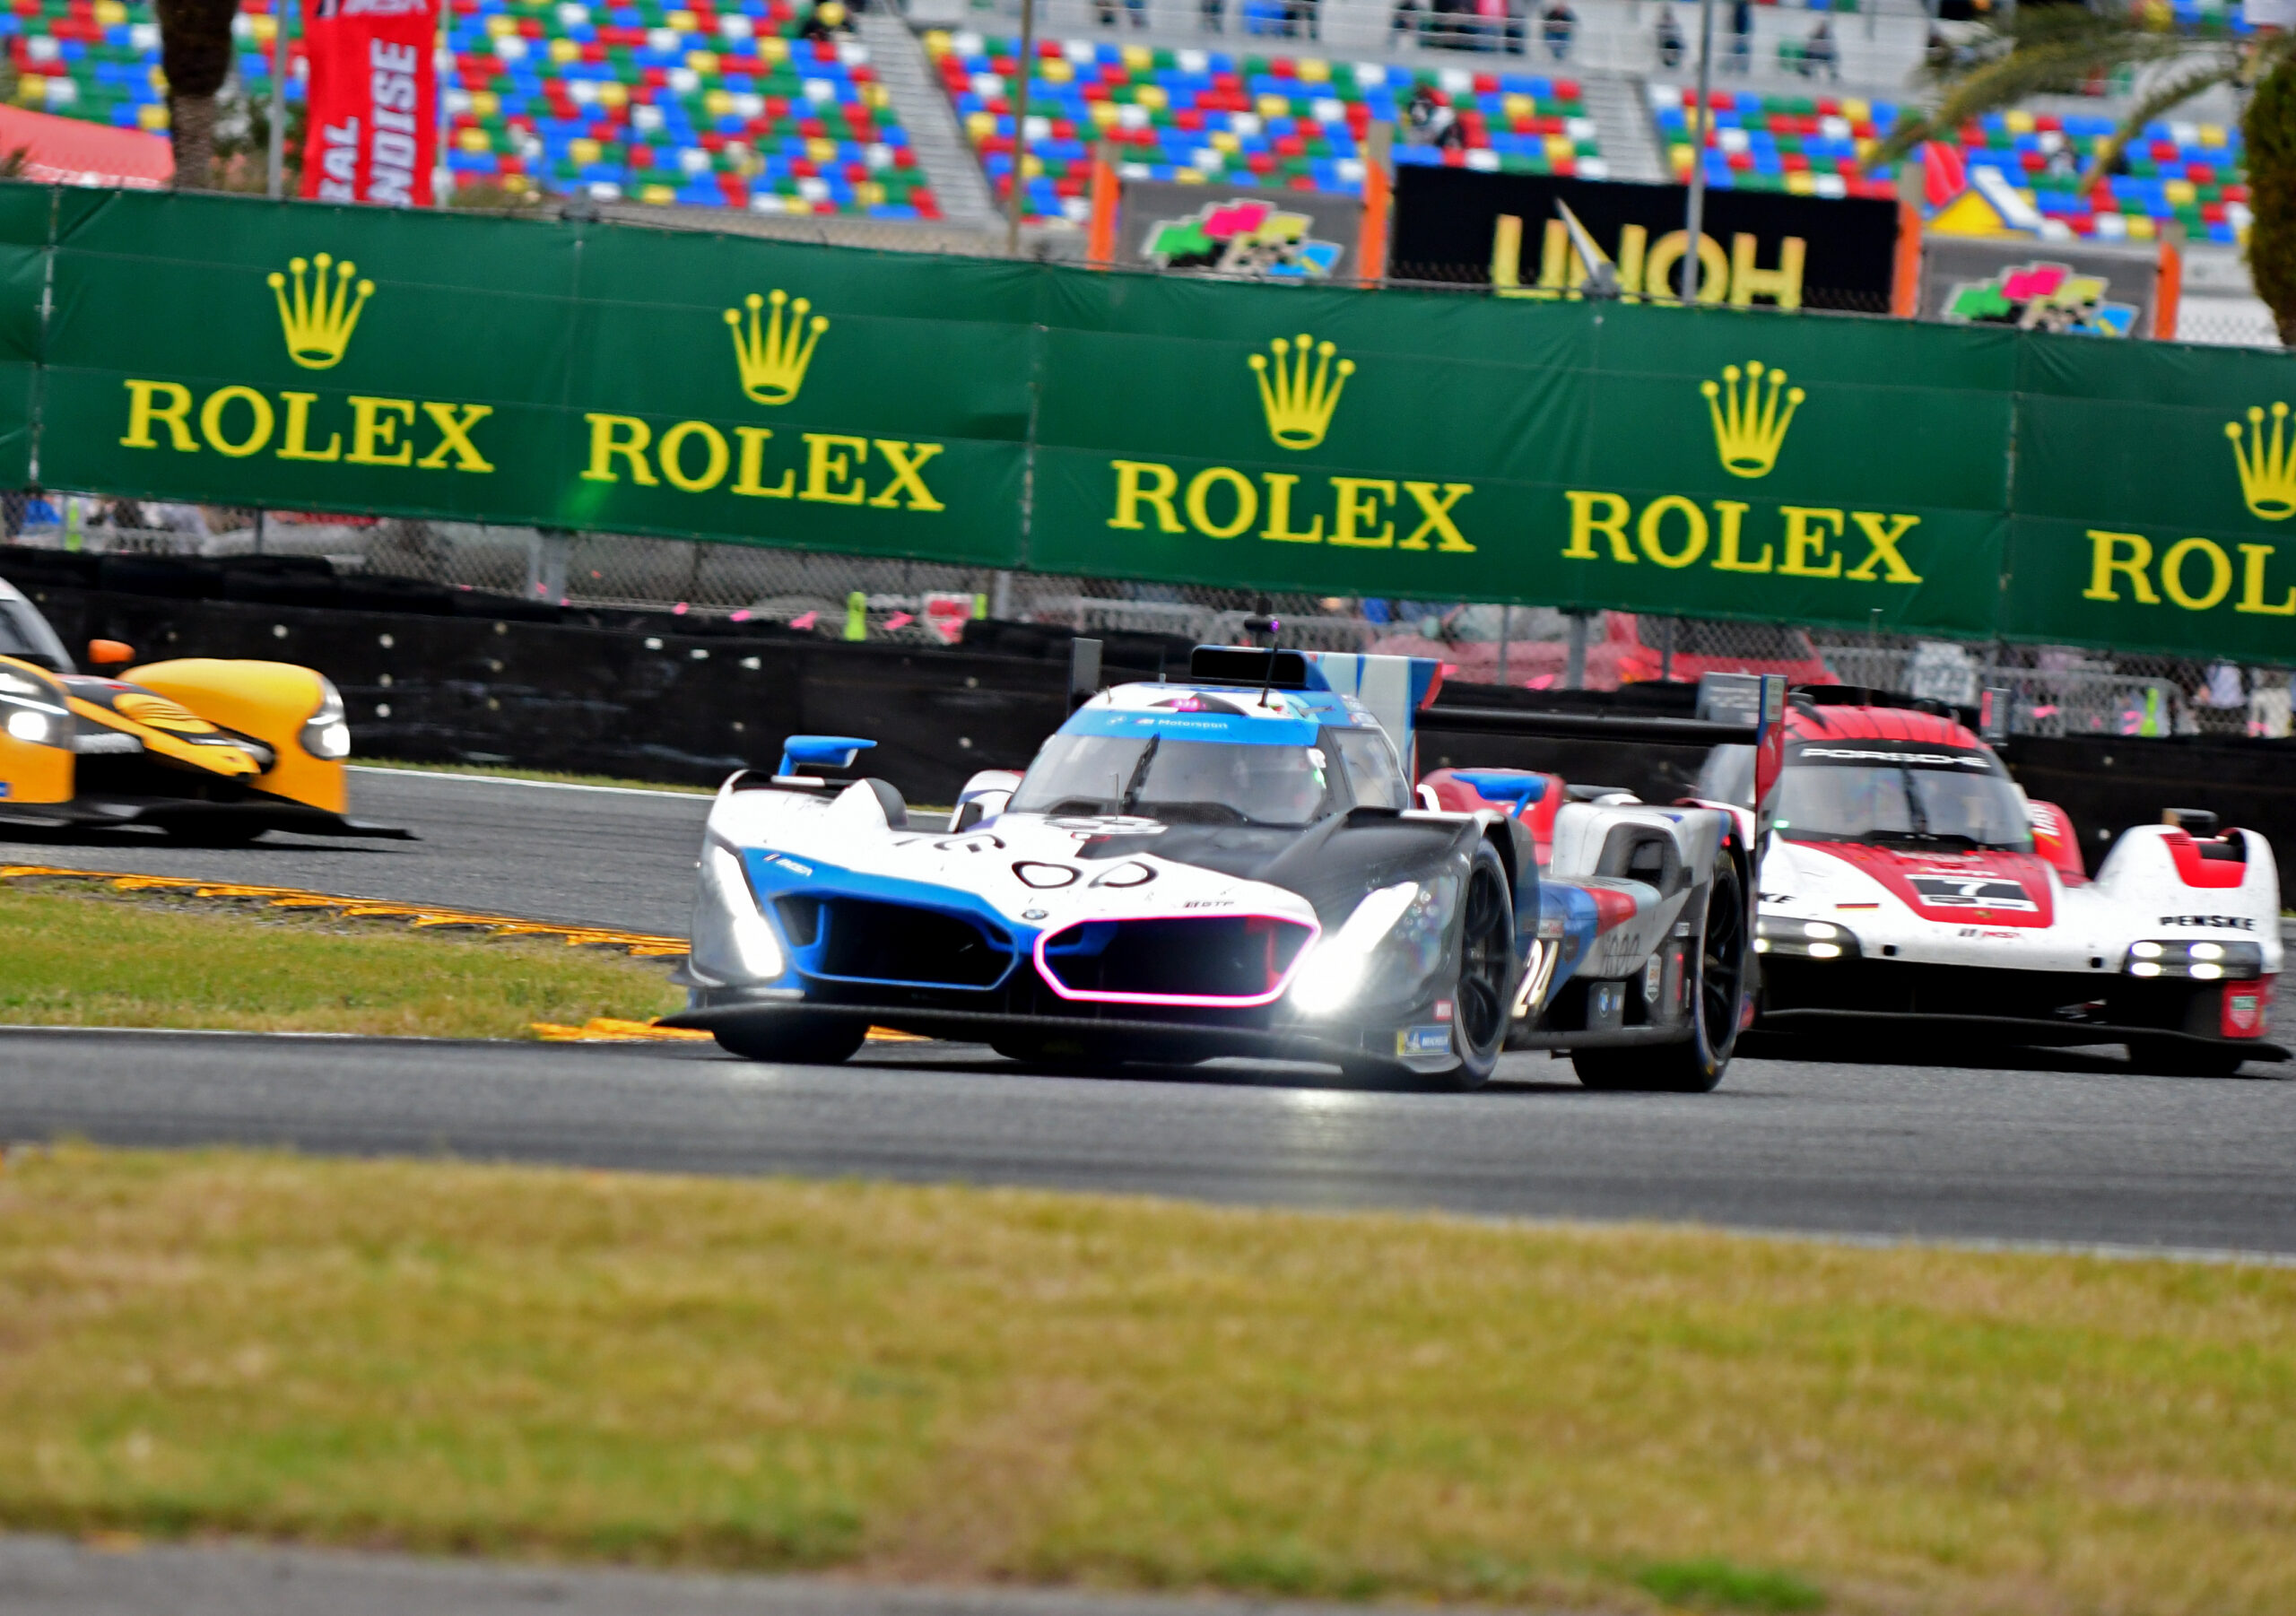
<point>1720,954</point>
<point>1486,953</point>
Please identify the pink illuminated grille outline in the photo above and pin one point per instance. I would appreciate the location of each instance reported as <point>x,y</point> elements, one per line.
<point>1187,1000</point>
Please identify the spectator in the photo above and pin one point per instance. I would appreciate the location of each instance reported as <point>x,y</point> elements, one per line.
<point>825,19</point>
<point>1670,39</point>
<point>1556,25</point>
<point>1820,54</point>
<point>1405,19</point>
<point>1427,121</point>
<point>1515,11</point>
<point>1208,16</point>
<point>1742,36</point>
<point>1306,18</point>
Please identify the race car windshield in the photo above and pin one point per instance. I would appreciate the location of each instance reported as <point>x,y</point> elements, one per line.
<point>1179,782</point>
<point>1900,800</point>
<point>25,634</point>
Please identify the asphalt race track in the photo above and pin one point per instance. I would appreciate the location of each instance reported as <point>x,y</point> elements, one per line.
<point>2059,1146</point>
<point>2073,1150</point>
<point>588,854</point>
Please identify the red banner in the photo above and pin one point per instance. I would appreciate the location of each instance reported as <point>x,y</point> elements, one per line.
<point>374,101</point>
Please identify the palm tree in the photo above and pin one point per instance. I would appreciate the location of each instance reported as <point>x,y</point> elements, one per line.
<point>2042,50</point>
<point>196,54</point>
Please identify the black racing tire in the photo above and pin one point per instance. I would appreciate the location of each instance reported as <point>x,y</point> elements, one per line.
<point>1695,1065</point>
<point>1482,975</point>
<point>2178,1058</point>
<point>809,1040</point>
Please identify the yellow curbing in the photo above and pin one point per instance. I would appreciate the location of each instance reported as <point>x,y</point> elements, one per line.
<point>607,1030</point>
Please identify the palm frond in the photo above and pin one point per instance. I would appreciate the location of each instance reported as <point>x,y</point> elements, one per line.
<point>2046,50</point>
<point>2170,93</point>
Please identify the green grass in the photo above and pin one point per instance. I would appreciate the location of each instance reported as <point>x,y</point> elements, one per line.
<point>959,1385</point>
<point>76,959</point>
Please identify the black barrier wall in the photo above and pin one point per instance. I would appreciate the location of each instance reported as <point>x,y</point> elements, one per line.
<point>693,708</point>
<point>687,708</point>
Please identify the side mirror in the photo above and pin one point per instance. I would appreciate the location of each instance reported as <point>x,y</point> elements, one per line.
<point>110,653</point>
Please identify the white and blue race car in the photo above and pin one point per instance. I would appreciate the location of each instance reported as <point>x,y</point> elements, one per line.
<point>1235,864</point>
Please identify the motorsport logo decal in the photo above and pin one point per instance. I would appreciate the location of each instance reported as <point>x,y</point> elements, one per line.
<point>2267,466</point>
<point>2041,297</point>
<point>1749,430</point>
<point>1242,237</point>
<point>1945,891</point>
<point>773,363</point>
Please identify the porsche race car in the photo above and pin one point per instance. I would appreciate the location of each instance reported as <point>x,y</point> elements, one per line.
<point>1908,883</point>
<point>1234,864</point>
<point>213,752</point>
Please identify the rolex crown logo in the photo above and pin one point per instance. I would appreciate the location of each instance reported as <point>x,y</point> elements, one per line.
<point>1749,427</point>
<point>773,357</point>
<point>319,318</point>
<point>1300,394</point>
<point>2267,465</point>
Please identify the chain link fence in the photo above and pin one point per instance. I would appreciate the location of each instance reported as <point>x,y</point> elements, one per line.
<point>2055,691</point>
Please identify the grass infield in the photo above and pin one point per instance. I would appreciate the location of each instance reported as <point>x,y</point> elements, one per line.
<point>75,958</point>
<point>961,1384</point>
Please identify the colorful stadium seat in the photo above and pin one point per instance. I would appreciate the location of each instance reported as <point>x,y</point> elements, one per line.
<point>709,105</point>
<point>2182,171</point>
<point>1215,118</point>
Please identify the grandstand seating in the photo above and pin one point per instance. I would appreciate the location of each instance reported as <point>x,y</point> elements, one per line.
<point>715,103</point>
<point>2179,171</point>
<point>1240,118</point>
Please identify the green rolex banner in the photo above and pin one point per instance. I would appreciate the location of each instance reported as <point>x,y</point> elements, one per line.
<point>1704,463</point>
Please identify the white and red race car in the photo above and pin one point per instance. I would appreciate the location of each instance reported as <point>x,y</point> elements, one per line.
<point>1907,881</point>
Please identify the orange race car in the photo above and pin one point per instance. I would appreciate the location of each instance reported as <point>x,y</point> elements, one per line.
<point>214,752</point>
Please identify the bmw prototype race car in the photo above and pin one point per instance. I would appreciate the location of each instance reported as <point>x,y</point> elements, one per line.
<point>213,752</point>
<point>1238,865</point>
<point>1907,881</point>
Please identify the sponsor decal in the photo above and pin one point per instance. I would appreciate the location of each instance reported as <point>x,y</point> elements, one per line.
<point>1991,933</point>
<point>6,788</point>
<point>1242,237</point>
<point>1945,891</point>
<point>2041,297</point>
<point>2243,1012</point>
<point>373,97</point>
<point>1749,428</point>
<point>1919,760</point>
<point>1300,391</point>
<point>2267,466</point>
<point>318,301</point>
<point>1434,1039</point>
<point>2236,922</point>
<point>1442,1010</point>
<point>773,362</point>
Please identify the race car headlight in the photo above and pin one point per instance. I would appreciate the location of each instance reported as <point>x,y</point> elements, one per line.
<point>1782,936</point>
<point>2205,961</point>
<point>325,734</point>
<point>38,725</point>
<point>1334,972</point>
<point>733,940</point>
